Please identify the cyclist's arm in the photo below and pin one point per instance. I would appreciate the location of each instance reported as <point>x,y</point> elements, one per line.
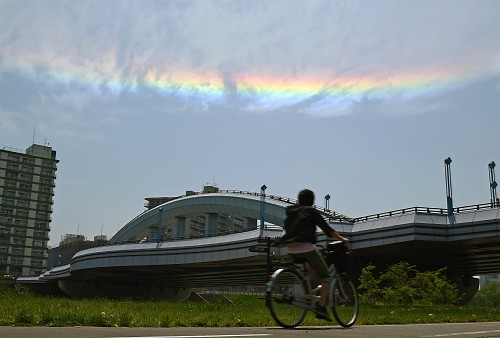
<point>320,221</point>
<point>336,235</point>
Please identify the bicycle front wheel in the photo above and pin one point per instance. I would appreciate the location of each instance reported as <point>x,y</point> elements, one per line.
<point>285,293</point>
<point>343,299</point>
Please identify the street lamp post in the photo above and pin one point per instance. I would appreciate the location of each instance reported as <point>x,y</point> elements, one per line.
<point>493,185</point>
<point>327,202</point>
<point>449,198</point>
<point>160,221</point>
<point>262,207</point>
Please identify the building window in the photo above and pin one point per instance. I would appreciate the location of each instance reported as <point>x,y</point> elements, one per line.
<point>47,164</point>
<point>24,177</point>
<point>36,262</point>
<point>41,225</point>
<point>18,251</point>
<point>8,201</point>
<point>24,195</point>
<point>23,186</point>
<point>40,234</point>
<point>37,253</point>
<point>17,261</point>
<point>23,204</point>
<point>27,169</point>
<point>41,215</point>
<point>18,241</point>
<point>6,212</point>
<point>21,222</point>
<point>16,158</point>
<point>22,213</point>
<point>11,184</point>
<point>18,232</point>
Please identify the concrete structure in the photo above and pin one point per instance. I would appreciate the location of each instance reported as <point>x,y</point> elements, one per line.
<point>136,263</point>
<point>27,182</point>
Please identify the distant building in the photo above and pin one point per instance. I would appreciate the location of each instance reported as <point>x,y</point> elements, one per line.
<point>69,245</point>
<point>195,226</point>
<point>27,182</point>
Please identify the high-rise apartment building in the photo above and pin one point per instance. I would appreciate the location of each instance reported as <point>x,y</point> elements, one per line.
<point>27,182</point>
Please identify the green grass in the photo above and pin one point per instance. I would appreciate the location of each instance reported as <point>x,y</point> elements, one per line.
<point>24,309</point>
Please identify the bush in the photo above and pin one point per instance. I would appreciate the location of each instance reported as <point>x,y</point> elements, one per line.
<point>489,295</point>
<point>403,284</point>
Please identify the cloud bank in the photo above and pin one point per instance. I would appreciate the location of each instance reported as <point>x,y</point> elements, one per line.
<point>314,57</point>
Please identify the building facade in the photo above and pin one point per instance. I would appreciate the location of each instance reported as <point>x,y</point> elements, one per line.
<point>27,182</point>
<point>69,245</point>
<point>197,226</point>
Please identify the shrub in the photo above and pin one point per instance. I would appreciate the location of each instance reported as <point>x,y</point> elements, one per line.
<point>489,295</point>
<point>403,284</point>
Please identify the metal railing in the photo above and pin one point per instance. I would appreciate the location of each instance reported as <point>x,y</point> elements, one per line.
<point>426,210</point>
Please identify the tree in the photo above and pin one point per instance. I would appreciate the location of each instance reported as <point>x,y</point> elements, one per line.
<point>489,295</point>
<point>402,283</point>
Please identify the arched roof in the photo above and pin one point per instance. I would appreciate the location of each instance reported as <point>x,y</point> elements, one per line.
<point>241,204</point>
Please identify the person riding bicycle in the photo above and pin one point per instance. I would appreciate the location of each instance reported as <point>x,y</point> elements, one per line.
<point>300,236</point>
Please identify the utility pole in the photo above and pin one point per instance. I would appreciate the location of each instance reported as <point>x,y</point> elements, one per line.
<point>262,208</point>
<point>493,185</point>
<point>447,174</point>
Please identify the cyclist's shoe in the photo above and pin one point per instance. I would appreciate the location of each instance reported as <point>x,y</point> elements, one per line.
<point>322,313</point>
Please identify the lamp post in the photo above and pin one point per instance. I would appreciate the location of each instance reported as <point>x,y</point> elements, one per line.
<point>327,202</point>
<point>160,221</point>
<point>493,185</point>
<point>262,207</point>
<point>447,174</point>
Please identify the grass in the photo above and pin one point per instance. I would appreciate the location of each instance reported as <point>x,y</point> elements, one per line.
<point>21,308</point>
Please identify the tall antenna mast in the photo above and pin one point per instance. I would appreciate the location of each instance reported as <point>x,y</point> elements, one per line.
<point>33,136</point>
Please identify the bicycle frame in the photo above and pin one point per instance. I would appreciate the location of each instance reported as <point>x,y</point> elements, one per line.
<point>309,300</point>
<point>289,285</point>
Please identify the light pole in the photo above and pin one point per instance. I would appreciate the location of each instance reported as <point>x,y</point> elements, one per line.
<point>262,207</point>
<point>327,202</point>
<point>447,174</point>
<point>493,185</point>
<point>160,221</point>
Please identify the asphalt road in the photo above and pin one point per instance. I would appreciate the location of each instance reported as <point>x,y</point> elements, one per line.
<point>469,330</point>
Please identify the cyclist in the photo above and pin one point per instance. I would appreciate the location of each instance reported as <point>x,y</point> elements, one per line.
<point>300,236</point>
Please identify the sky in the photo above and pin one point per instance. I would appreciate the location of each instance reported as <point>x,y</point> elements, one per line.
<point>361,100</point>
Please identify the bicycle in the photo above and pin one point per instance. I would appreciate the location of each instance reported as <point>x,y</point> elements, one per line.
<point>289,296</point>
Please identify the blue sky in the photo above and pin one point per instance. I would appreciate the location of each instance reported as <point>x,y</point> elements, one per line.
<point>362,100</point>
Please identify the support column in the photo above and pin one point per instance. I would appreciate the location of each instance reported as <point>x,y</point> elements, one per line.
<point>153,233</point>
<point>179,227</point>
<point>230,224</point>
<point>210,224</point>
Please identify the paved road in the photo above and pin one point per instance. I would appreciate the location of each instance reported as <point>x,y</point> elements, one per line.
<point>469,330</point>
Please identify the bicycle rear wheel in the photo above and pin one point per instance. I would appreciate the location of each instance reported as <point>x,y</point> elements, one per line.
<point>343,299</point>
<point>285,292</point>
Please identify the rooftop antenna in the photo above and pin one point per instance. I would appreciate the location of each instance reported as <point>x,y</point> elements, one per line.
<point>33,136</point>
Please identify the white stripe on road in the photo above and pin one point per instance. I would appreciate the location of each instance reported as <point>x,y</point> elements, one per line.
<point>205,336</point>
<point>460,334</point>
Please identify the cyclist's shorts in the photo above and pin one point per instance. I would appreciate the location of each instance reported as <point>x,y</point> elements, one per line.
<point>316,261</point>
